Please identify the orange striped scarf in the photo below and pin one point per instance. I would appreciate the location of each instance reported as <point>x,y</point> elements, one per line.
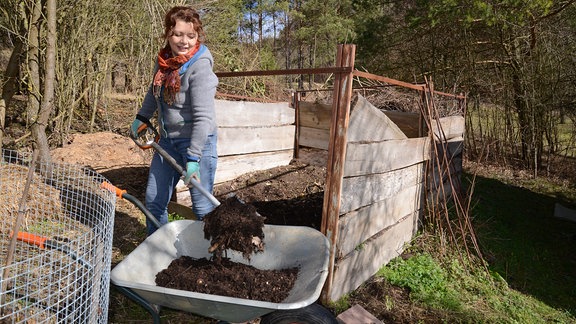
<point>167,76</point>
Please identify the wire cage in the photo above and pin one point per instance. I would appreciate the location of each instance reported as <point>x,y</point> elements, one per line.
<point>57,269</point>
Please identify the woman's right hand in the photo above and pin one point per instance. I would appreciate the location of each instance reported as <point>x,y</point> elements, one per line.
<point>135,127</point>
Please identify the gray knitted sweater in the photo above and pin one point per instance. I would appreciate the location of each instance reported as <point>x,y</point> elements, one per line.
<point>192,114</point>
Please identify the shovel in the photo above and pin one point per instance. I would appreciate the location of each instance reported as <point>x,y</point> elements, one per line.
<point>219,241</point>
<point>151,137</point>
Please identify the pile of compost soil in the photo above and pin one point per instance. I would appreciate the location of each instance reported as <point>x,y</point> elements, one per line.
<point>226,278</point>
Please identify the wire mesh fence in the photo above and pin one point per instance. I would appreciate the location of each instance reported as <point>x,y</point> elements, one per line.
<point>58,270</point>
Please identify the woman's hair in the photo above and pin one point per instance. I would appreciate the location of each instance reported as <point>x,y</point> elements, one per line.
<point>186,14</point>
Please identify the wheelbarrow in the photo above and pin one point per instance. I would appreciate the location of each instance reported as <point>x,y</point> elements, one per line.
<point>286,247</point>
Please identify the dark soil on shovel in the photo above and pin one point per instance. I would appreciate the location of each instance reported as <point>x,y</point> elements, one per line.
<point>237,226</point>
<point>234,225</point>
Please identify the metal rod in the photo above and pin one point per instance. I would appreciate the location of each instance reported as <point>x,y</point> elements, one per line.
<point>22,210</point>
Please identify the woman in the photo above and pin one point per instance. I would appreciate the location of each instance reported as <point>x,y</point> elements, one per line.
<point>182,93</point>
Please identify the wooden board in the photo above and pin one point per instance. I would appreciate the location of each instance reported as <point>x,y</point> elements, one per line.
<point>448,127</point>
<point>242,140</point>
<point>378,157</point>
<point>439,195</point>
<point>357,314</point>
<point>245,113</point>
<point>315,115</point>
<point>359,225</point>
<point>230,167</point>
<point>406,121</point>
<point>368,123</point>
<point>364,262</point>
<point>453,158</point>
<point>362,191</point>
<point>314,137</point>
<point>454,147</point>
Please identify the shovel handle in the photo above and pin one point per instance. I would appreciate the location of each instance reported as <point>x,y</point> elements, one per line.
<point>147,134</point>
<point>182,172</point>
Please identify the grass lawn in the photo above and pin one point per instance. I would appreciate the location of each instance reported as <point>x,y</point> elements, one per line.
<point>530,255</point>
<point>521,239</point>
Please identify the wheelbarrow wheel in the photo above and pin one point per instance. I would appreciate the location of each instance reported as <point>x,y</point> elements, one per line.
<point>312,314</point>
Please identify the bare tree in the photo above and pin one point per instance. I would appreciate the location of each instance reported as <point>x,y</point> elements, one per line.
<point>10,84</point>
<point>47,103</point>
<point>33,66</point>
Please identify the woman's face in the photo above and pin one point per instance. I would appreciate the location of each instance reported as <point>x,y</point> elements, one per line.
<point>183,38</point>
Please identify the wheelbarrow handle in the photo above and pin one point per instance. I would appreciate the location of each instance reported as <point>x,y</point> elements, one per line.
<point>44,242</point>
<point>151,136</point>
<point>122,194</point>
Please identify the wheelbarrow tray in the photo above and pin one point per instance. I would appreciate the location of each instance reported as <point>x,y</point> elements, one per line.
<point>286,247</point>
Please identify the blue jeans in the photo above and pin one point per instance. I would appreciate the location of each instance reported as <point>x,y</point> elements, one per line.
<point>163,178</point>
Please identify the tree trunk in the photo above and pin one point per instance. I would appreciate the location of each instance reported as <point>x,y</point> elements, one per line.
<point>10,84</point>
<point>34,64</point>
<point>2,119</point>
<point>260,23</point>
<point>39,128</point>
<point>12,72</point>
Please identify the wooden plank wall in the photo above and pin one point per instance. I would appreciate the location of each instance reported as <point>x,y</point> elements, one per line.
<point>447,161</point>
<point>314,121</point>
<point>381,196</point>
<point>252,136</point>
<point>383,182</point>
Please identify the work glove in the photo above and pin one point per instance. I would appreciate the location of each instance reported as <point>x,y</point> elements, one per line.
<point>136,124</point>
<point>192,170</point>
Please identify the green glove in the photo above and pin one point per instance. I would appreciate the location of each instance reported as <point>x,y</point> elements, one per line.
<point>192,170</point>
<point>134,128</point>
